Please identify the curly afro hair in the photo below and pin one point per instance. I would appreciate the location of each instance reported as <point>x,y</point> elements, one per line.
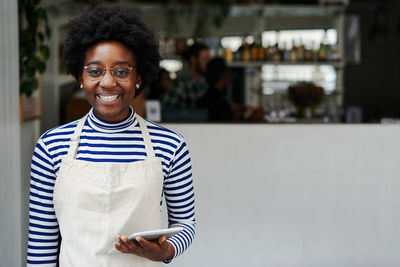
<point>111,23</point>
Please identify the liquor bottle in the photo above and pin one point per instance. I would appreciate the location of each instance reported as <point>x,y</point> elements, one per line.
<point>228,54</point>
<point>308,53</point>
<point>220,49</point>
<point>277,56</point>
<point>246,56</point>
<point>238,55</point>
<point>254,51</point>
<point>314,52</point>
<point>323,49</point>
<point>293,53</point>
<point>268,52</point>
<point>300,52</point>
<point>286,52</point>
<point>261,50</point>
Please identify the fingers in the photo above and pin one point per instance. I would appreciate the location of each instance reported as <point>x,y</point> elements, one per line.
<point>126,245</point>
<point>143,242</point>
<point>162,239</point>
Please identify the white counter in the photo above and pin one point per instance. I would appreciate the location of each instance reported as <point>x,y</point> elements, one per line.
<point>294,195</point>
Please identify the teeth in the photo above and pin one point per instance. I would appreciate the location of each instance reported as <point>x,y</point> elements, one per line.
<point>108,98</point>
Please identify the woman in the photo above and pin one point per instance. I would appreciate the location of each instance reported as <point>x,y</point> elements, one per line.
<point>99,179</point>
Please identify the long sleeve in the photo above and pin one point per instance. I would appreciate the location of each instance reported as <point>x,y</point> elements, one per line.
<point>43,226</point>
<point>179,195</point>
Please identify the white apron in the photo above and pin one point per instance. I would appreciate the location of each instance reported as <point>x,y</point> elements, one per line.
<point>94,202</point>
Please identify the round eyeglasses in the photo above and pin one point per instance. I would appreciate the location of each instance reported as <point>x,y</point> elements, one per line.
<point>119,72</point>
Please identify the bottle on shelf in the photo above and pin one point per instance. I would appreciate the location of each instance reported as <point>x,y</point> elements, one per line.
<point>261,50</point>
<point>286,52</point>
<point>228,55</point>
<point>254,51</point>
<point>300,52</point>
<point>238,55</point>
<point>308,53</point>
<point>220,49</point>
<point>277,55</point>
<point>268,52</point>
<point>314,52</point>
<point>323,49</point>
<point>293,52</point>
<point>246,56</point>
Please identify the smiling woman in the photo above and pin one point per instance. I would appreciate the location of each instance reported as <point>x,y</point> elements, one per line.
<point>96,180</point>
<point>109,101</point>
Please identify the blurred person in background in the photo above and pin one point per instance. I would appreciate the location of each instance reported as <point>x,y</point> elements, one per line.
<point>191,83</point>
<point>160,86</point>
<point>219,108</point>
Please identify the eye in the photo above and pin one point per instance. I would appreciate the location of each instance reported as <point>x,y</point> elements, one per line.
<point>94,71</point>
<point>121,72</point>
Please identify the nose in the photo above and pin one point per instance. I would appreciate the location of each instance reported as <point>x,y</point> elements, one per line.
<point>108,81</point>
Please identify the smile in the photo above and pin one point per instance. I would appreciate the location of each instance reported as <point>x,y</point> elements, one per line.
<point>107,98</point>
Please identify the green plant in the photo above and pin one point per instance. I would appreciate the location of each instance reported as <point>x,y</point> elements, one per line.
<point>33,52</point>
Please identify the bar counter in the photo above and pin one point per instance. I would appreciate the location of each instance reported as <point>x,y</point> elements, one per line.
<point>294,195</point>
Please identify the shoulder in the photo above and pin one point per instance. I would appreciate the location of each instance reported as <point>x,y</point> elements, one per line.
<point>59,131</point>
<point>157,131</point>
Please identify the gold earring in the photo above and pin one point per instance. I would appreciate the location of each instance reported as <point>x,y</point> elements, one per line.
<point>137,86</point>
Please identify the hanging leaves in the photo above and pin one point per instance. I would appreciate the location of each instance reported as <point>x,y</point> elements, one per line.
<point>34,29</point>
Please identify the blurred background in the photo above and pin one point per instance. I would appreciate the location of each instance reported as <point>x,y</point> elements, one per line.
<point>349,48</point>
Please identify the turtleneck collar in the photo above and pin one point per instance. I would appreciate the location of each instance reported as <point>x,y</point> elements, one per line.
<point>105,126</point>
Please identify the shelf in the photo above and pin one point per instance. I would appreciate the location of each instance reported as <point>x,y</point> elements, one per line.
<point>268,10</point>
<point>335,64</point>
<point>235,10</point>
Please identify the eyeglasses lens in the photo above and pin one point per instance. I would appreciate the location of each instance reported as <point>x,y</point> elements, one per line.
<point>120,73</point>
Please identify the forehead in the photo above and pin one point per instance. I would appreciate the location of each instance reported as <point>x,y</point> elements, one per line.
<point>109,53</point>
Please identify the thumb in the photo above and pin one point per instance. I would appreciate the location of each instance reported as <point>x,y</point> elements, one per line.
<point>162,239</point>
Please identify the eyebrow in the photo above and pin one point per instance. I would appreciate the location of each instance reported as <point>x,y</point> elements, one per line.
<point>116,63</point>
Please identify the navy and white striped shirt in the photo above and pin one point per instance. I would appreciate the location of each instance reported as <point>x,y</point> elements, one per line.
<point>102,141</point>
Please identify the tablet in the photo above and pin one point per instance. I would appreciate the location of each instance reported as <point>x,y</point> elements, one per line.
<point>151,235</point>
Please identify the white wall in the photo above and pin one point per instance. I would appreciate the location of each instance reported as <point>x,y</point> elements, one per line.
<point>11,227</point>
<point>295,195</point>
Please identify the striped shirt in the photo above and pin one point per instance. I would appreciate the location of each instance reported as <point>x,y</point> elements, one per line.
<point>102,141</point>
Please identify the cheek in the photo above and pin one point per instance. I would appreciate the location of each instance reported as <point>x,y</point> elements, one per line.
<point>89,90</point>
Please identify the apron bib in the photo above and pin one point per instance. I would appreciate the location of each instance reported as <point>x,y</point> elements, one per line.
<point>94,202</point>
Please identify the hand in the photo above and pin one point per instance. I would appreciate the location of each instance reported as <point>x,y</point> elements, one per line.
<point>159,250</point>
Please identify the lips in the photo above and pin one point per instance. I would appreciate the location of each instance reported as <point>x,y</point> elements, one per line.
<point>107,98</point>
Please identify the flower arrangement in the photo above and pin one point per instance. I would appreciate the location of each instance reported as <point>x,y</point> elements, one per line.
<point>305,95</point>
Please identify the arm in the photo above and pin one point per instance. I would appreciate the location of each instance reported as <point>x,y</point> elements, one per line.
<point>179,195</point>
<point>178,190</point>
<point>43,226</point>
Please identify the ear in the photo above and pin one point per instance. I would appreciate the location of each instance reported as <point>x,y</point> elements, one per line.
<point>138,80</point>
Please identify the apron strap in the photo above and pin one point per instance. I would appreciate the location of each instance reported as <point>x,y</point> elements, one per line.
<point>75,138</point>
<point>146,137</point>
